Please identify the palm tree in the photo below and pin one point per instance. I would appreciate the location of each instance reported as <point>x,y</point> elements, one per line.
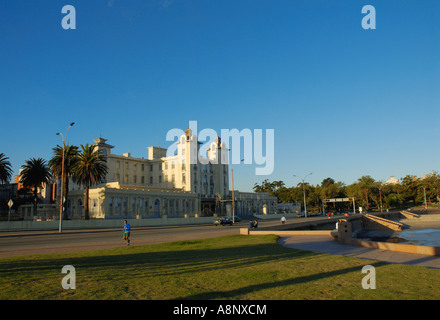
<point>5,169</point>
<point>55,165</point>
<point>90,169</point>
<point>35,173</point>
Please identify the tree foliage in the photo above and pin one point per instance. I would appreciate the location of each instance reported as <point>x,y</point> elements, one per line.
<point>34,175</point>
<point>5,169</point>
<point>90,169</point>
<point>369,193</point>
<point>56,166</point>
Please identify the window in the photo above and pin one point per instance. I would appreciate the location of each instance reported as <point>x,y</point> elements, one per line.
<point>160,179</point>
<point>142,179</point>
<point>118,204</point>
<point>126,165</point>
<point>142,167</point>
<point>173,178</point>
<point>134,179</point>
<point>151,168</point>
<point>151,180</point>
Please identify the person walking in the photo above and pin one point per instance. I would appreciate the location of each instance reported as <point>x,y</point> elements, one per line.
<point>283,219</point>
<point>126,229</point>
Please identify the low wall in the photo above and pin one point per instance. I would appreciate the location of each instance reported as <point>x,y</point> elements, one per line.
<point>399,247</point>
<point>247,231</point>
<point>101,223</point>
<point>315,224</point>
<point>276,215</point>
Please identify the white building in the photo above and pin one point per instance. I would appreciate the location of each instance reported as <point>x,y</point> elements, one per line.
<point>392,180</point>
<point>166,186</point>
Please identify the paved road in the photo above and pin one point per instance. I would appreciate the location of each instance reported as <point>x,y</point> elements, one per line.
<point>39,242</point>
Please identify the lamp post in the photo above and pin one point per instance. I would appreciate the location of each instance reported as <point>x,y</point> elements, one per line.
<point>60,228</point>
<point>233,196</point>
<point>304,192</point>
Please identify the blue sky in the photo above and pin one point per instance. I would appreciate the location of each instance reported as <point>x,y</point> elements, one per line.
<point>343,101</point>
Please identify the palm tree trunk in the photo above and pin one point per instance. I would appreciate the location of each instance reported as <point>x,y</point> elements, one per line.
<point>86,203</point>
<point>35,201</point>
<point>66,192</point>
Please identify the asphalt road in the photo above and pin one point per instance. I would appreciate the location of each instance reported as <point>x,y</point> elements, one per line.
<point>40,242</point>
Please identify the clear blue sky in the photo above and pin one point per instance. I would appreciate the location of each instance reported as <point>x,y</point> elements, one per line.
<point>344,101</point>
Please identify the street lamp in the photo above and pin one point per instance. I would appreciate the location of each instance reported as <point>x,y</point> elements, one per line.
<point>60,229</point>
<point>233,196</point>
<point>304,192</point>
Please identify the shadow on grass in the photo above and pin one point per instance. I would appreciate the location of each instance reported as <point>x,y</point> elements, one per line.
<point>236,293</point>
<point>158,263</point>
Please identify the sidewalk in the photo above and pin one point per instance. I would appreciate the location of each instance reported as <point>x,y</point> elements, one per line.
<point>325,244</point>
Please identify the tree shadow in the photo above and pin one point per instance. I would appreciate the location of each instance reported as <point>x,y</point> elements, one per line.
<point>161,263</point>
<point>234,294</point>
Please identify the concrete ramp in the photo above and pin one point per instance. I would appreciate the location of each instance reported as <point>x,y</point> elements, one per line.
<point>409,215</point>
<point>375,223</point>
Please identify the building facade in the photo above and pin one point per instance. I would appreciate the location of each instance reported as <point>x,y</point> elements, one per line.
<point>183,184</point>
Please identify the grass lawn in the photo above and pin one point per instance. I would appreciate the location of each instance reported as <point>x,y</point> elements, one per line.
<point>230,267</point>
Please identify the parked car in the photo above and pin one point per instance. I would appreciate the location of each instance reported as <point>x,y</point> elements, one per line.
<point>223,221</point>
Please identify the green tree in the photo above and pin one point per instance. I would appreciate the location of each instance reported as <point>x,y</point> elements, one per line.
<point>55,165</point>
<point>408,189</point>
<point>5,169</point>
<point>429,187</point>
<point>35,173</point>
<point>330,189</point>
<point>90,169</point>
<point>275,189</point>
<point>367,186</point>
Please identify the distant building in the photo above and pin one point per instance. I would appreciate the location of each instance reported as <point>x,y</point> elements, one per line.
<point>46,193</point>
<point>392,180</point>
<point>7,192</point>
<point>289,207</point>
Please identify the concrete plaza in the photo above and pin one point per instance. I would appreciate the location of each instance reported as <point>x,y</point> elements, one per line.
<point>325,244</point>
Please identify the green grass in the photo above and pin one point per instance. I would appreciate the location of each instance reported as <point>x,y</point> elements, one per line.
<point>231,267</point>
